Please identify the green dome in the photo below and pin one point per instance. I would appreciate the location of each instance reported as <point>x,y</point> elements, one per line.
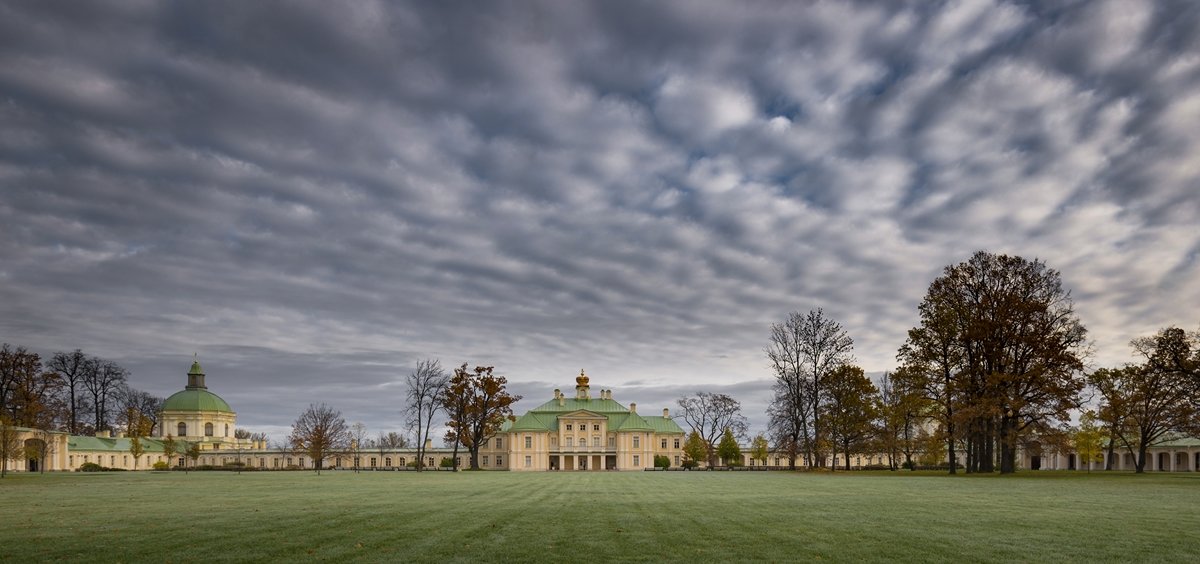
<point>195,400</point>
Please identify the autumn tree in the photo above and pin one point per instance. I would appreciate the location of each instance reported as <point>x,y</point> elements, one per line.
<point>694,450</point>
<point>137,427</point>
<point>193,453</point>
<point>1017,348</point>
<point>146,406</point>
<point>319,432</point>
<point>710,415</point>
<point>424,398</point>
<point>853,406</point>
<point>30,394</point>
<point>11,444</point>
<point>478,403</point>
<point>728,449</point>
<point>1089,440</point>
<point>1145,403</point>
<point>170,449</point>
<point>760,449</point>
<point>903,407</point>
<point>933,362</point>
<point>803,350</point>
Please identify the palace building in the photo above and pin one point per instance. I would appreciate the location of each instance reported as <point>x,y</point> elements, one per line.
<point>583,432</point>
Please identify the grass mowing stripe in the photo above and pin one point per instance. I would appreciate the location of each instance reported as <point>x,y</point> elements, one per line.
<point>644,516</point>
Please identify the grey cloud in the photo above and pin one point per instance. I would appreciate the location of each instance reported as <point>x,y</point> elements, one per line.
<point>316,195</point>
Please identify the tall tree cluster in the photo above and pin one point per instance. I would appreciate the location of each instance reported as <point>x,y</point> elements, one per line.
<point>1000,351</point>
<point>803,351</point>
<point>72,391</point>
<point>713,416</point>
<point>1145,403</point>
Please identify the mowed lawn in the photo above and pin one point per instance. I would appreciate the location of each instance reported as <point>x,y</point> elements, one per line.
<point>642,516</point>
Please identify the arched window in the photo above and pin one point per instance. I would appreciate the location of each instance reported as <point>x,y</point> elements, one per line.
<point>182,430</point>
<point>208,430</point>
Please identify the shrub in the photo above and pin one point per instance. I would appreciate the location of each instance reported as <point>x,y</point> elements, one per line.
<point>160,465</point>
<point>447,462</point>
<point>690,464</point>
<point>662,461</point>
<point>91,467</point>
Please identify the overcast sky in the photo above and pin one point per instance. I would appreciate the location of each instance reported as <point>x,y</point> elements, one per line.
<point>313,196</point>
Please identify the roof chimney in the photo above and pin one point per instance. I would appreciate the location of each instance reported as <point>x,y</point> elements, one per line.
<point>428,443</point>
<point>633,408</point>
<point>666,413</point>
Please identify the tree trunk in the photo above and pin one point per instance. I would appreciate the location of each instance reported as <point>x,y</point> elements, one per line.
<point>1141,459</point>
<point>474,458</point>
<point>1008,442</point>
<point>1108,457</point>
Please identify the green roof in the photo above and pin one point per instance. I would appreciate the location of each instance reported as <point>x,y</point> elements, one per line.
<point>196,368</point>
<point>88,442</point>
<point>545,417</point>
<point>573,404</point>
<point>195,400</point>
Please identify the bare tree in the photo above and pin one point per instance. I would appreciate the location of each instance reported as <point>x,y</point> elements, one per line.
<point>102,378</point>
<point>319,432</point>
<point>426,388</point>
<point>71,368</point>
<point>147,406</point>
<point>358,438</point>
<point>803,351</point>
<point>709,415</point>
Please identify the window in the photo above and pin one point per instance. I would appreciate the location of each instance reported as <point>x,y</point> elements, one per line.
<point>262,463</point>
<point>637,443</point>
<point>275,463</point>
<point>596,427</point>
<point>387,461</point>
<point>528,441</point>
<point>664,444</point>
<point>499,460</point>
<point>301,461</point>
<point>568,426</point>
<point>430,459</point>
<point>612,442</point>
<point>289,459</point>
<point>637,460</point>
<point>226,429</point>
<point>528,461</point>
<point>677,460</point>
<point>401,461</point>
<point>372,462</point>
<point>208,431</point>
<point>499,443</point>
<point>356,462</point>
<point>485,460</point>
<point>676,443</point>
<point>182,429</point>
<point>553,440</point>
<point>595,441</point>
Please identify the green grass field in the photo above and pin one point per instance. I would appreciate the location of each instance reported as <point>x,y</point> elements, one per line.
<point>692,516</point>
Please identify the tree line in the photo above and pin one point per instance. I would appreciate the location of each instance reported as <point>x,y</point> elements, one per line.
<point>72,392</point>
<point>475,402</point>
<point>995,364</point>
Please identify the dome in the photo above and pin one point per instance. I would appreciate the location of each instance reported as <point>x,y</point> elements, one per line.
<point>195,400</point>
